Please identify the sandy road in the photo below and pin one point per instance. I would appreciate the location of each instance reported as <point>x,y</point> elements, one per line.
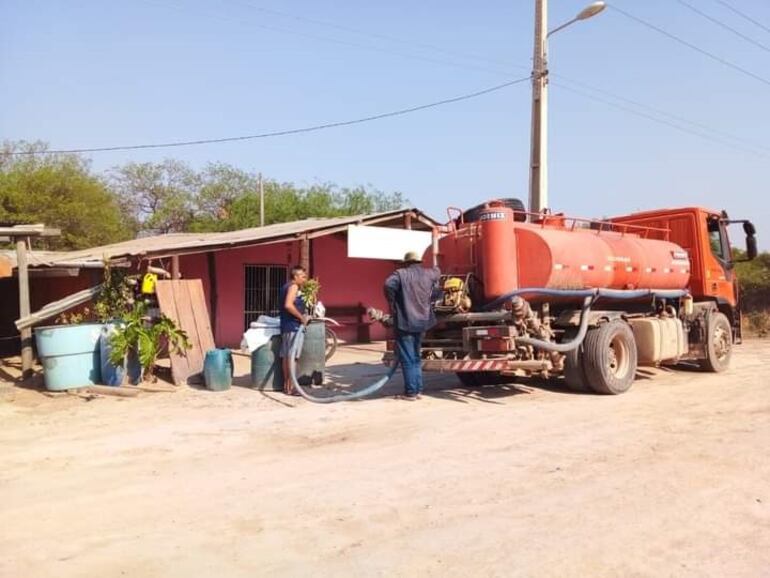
<point>671,479</point>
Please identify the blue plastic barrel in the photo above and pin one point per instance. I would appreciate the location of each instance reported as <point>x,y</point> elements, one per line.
<point>218,369</point>
<point>111,374</point>
<point>69,355</point>
<point>133,367</point>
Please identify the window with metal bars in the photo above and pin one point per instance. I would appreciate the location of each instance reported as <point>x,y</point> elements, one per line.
<point>262,290</point>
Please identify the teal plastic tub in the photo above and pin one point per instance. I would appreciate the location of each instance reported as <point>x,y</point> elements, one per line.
<point>218,369</point>
<point>69,355</point>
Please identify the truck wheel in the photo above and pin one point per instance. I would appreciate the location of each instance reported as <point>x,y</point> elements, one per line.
<point>719,347</point>
<point>609,358</point>
<point>482,378</point>
<point>574,376</point>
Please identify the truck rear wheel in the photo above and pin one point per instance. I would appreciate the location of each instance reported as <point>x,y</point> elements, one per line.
<point>719,344</point>
<point>609,357</point>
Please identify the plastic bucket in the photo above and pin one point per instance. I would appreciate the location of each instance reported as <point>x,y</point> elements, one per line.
<point>69,355</point>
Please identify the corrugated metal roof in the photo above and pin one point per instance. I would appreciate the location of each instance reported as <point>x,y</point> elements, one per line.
<point>181,243</point>
<point>43,258</point>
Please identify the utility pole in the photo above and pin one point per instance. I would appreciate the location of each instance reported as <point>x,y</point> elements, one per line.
<point>538,166</point>
<point>261,202</point>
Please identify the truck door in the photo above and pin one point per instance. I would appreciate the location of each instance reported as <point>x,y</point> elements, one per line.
<point>718,265</point>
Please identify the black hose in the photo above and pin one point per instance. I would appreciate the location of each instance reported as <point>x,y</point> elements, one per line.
<point>368,390</point>
<point>617,294</point>
<point>569,345</point>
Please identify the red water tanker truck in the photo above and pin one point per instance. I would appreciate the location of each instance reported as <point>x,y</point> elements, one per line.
<point>549,295</point>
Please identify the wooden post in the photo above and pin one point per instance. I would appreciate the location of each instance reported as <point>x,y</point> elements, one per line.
<point>304,253</point>
<point>408,221</point>
<point>24,306</point>
<point>175,272</point>
<point>213,297</point>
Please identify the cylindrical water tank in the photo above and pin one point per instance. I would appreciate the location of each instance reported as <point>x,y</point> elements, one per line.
<point>498,250</point>
<point>579,259</point>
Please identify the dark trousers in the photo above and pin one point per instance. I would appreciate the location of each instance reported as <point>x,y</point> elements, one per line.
<point>408,350</point>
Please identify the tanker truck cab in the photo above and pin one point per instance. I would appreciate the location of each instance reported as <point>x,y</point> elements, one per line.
<point>703,233</point>
<point>581,300</point>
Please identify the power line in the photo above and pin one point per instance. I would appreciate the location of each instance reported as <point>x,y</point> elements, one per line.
<point>663,113</point>
<point>660,121</point>
<point>723,25</point>
<point>379,35</point>
<point>308,129</point>
<point>691,46</point>
<point>343,42</point>
<point>495,62</point>
<point>744,15</point>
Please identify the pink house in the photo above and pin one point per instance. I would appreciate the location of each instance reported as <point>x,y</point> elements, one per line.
<point>242,271</point>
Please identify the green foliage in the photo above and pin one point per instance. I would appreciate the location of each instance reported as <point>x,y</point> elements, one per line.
<point>285,202</point>
<point>159,197</point>
<point>116,297</point>
<point>59,191</point>
<point>759,323</point>
<point>114,301</point>
<point>309,293</point>
<point>754,279</point>
<point>138,333</point>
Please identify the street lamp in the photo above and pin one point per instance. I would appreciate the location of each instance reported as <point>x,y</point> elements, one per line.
<point>538,176</point>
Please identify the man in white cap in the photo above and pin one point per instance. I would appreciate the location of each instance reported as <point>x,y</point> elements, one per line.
<point>410,291</point>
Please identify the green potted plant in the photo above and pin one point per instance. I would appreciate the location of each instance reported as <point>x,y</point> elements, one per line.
<point>137,337</point>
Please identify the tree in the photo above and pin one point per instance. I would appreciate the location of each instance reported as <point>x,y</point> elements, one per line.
<point>754,279</point>
<point>285,202</point>
<point>60,191</point>
<point>159,197</point>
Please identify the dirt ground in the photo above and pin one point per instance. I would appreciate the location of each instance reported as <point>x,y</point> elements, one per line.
<point>670,479</point>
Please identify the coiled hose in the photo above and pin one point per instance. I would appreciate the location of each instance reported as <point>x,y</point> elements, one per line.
<point>366,391</point>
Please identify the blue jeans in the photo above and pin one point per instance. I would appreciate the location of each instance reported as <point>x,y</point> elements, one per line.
<point>408,350</point>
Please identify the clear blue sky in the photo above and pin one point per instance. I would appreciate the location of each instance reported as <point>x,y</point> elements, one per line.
<point>88,73</point>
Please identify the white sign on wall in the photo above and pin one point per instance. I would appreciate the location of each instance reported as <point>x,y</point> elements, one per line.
<point>365,242</point>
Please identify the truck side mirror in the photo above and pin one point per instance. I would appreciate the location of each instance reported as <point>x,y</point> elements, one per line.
<point>749,228</point>
<point>751,247</point>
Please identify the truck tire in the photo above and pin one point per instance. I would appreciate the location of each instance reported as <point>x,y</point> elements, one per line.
<point>574,376</point>
<point>473,379</point>
<point>719,344</point>
<point>472,215</point>
<point>609,357</point>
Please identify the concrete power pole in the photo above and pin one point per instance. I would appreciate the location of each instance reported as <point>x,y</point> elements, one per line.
<point>538,166</point>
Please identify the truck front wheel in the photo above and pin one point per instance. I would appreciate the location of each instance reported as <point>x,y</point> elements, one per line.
<point>609,357</point>
<point>719,344</point>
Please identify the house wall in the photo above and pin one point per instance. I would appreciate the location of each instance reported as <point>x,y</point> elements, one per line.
<point>348,282</point>
<point>344,282</point>
<point>228,326</point>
